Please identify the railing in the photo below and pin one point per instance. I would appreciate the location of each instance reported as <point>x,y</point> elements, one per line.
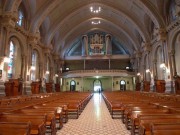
<point>97,73</point>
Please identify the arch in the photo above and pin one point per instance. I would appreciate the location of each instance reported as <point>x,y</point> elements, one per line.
<point>153,13</point>
<point>129,17</point>
<point>42,14</point>
<point>70,41</point>
<point>115,28</point>
<point>11,5</point>
<point>173,37</point>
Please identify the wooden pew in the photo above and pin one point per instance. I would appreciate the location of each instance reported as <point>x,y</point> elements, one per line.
<point>160,86</point>
<point>36,87</point>
<point>165,128</point>
<point>37,121</point>
<point>146,120</point>
<point>134,121</point>
<point>51,117</point>
<point>57,87</point>
<point>146,86</point>
<point>177,85</point>
<point>49,87</point>
<point>15,128</point>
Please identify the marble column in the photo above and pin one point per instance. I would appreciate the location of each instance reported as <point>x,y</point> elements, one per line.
<point>84,45</point>
<point>155,69</point>
<point>108,44</point>
<point>173,62</point>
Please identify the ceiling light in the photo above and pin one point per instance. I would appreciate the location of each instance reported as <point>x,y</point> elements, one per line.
<point>6,59</point>
<point>147,70</point>
<point>33,68</point>
<point>162,65</point>
<point>138,74</point>
<point>96,22</point>
<point>95,10</point>
<point>47,72</point>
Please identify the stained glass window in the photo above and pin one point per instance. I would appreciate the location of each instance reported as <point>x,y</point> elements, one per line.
<point>11,57</point>
<point>20,16</point>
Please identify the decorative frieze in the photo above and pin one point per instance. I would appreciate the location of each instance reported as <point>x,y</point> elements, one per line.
<point>21,30</point>
<point>173,25</point>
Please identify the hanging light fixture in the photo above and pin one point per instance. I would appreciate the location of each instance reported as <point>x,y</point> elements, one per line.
<point>6,59</point>
<point>95,22</point>
<point>95,9</point>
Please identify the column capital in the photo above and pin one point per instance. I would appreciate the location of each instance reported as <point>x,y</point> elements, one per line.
<point>138,54</point>
<point>47,50</point>
<point>162,34</point>
<point>154,60</point>
<point>9,19</point>
<point>56,57</point>
<point>146,46</point>
<point>172,52</point>
<point>33,38</point>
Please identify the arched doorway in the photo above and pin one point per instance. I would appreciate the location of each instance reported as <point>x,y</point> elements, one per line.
<point>72,85</point>
<point>97,86</point>
<point>122,85</point>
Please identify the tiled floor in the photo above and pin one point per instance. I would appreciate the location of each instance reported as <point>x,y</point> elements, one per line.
<point>95,120</point>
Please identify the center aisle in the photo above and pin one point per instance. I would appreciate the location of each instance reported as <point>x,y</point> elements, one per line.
<point>95,120</point>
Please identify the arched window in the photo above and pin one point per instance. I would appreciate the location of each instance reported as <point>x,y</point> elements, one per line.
<point>35,66</point>
<point>11,57</point>
<point>15,63</point>
<point>20,18</point>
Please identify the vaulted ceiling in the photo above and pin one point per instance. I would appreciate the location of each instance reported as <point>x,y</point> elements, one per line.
<point>61,22</point>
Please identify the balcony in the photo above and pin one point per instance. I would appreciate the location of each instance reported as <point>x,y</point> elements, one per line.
<point>90,73</point>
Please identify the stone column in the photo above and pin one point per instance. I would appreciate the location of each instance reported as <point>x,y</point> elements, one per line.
<point>112,83</point>
<point>172,53</point>
<point>138,57</point>
<point>162,37</point>
<point>109,64</point>
<point>108,44</point>
<point>40,70</point>
<point>84,45</point>
<point>84,64</point>
<point>155,69</point>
